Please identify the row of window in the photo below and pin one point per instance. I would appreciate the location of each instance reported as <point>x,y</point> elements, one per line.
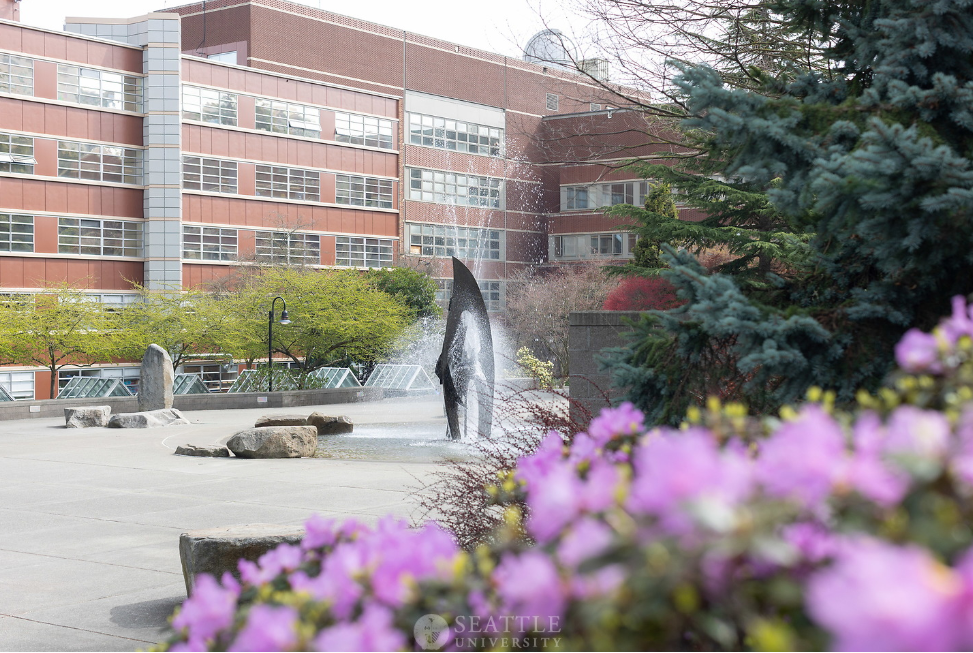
<point>91,86</point>
<point>583,246</point>
<point>455,188</point>
<point>87,161</point>
<point>455,135</point>
<point>16,74</point>
<point>594,196</point>
<point>492,292</point>
<point>462,242</point>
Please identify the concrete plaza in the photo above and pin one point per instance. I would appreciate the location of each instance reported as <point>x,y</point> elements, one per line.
<point>90,518</point>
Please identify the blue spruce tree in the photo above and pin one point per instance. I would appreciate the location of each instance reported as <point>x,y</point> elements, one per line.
<point>873,159</point>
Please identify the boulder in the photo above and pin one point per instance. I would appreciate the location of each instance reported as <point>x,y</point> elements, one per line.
<point>275,442</point>
<point>87,416</point>
<point>281,420</point>
<point>155,380</point>
<point>211,452</point>
<point>216,550</point>
<point>147,420</point>
<point>330,425</point>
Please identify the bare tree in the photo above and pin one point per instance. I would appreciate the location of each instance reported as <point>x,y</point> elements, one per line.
<point>539,301</point>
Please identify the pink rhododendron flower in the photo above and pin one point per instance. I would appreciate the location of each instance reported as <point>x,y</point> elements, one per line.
<point>587,538</point>
<point>880,597</point>
<point>529,587</point>
<point>804,459</point>
<point>549,453</point>
<point>600,582</point>
<point>268,628</point>
<point>682,471</point>
<point>958,324</point>
<point>373,631</point>
<point>209,610</point>
<point>615,422</point>
<point>319,531</point>
<point>561,495</point>
<point>918,352</point>
<point>814,543</point>
<point>916,432</point>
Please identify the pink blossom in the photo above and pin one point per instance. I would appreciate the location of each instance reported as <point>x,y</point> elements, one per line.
<point>373,631</point>
<point>587,538</point>
<point>880,597</point>
<point>681,476</point>
<point>549,453</point>
<point>268,628</point>
<point>615,422</point>
<point>598,583</point>
<point>918,352</point>
<point>529,586</point>
<point>560,496</point>
<point>210,609</point>
<point>319,532</point>
<point>958,324</point>
<point>813,542</point>
<point>916,432</point>
<point>286,557</point>
<point>804,459</point>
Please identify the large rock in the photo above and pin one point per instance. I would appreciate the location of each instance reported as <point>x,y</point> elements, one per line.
<point>281,420</point>
<point>87,416</point>
<point>155,380</point>
<point>216,550</point>
<point>147,420</point>
<point>194,450</point>
<point>330,425</point>
<point>275,442</point>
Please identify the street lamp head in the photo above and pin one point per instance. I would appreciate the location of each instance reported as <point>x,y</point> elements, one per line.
<point>283,317</point>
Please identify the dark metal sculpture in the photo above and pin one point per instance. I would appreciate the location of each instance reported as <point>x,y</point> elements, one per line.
<point>465,366</point>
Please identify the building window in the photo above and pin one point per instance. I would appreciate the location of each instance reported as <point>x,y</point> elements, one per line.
<point>16,74</point>
<point>363,130</point>
<point>584,246</point>
<point>593,196</point>
<point>552,102</point>
<point>462,242</point>
<point>455,188</point>
<point>19,385</point>
<point>17,154</point>
<point>288,183</point>
<point>288,248</point>
<point>211,175</point>
<point>223,57</point>
<point>455,135</point>
<point>99,237</point>
<point>217,377</point>
<point>209,243</point>
<point>286,118</point>
<point>492,292</point>
<point>363,252</point>
<point>99,88</point>
<point>16,232</point>
<point>363,191</point>
<point>117,299</point>
<point>205,105</point>
<point>595,106</point>
<point>128,375</point>
<point>99,162</point>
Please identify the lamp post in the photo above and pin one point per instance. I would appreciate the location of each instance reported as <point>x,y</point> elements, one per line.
<point>270,339</point>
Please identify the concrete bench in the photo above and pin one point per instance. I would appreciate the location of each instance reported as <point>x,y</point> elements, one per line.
<point>216,550</point>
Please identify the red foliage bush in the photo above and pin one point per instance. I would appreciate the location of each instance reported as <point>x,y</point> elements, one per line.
<point>642,294</point>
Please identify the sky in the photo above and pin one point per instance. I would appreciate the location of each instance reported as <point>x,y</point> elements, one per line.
<point>501,26</point>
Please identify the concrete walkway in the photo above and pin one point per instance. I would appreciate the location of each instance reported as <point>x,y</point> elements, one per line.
<point>90,519</point>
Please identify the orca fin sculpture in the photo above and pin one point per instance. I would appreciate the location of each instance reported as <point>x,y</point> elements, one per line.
<point>465,366</point>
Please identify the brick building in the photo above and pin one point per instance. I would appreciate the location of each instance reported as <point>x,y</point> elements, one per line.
<point>166,148</point>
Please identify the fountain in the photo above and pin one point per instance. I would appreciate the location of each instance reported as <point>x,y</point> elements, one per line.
<point>465,366</point>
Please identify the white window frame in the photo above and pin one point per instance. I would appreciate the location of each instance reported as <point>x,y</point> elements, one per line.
<point>210,175</point>
<point>209,105</point>
<point>287,247</point>
<point>97,162</point>
<point>100,88</point>
<point>17,154</point>
<point>209,243</point>
<point>355,190</point>
<point>97,237</point>
<point>493,292</point>
<point>441,187</point>
<point>19,385</point>
<point>455,135</point>
<point>364,252</point>
<point>467,243</point>
<point>280,117</point>
<point>288,183</point>
<point>16,74</point>
<point>567,247</point>
<point>16,232</point>
<point>357,129</point>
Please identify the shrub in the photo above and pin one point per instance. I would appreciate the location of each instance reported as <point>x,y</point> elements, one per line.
<point>819,528</point>
<point>642,294</point>
<point>541,371</point>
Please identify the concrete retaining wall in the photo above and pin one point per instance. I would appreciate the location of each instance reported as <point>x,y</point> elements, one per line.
<point>212,401</point>
<point>590,332</point>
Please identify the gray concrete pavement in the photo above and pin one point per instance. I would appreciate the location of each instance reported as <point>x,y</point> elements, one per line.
<point>90,518</point>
